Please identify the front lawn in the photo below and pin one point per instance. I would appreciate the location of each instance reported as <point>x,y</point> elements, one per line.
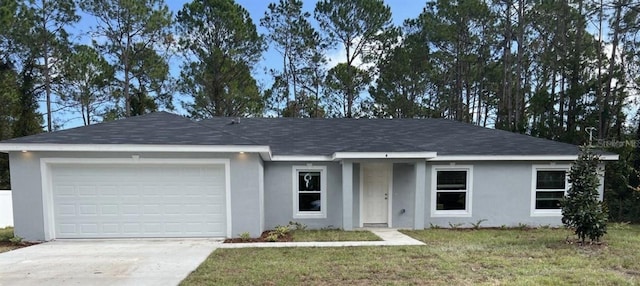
<point>333,235</point>
<point>453,257</point>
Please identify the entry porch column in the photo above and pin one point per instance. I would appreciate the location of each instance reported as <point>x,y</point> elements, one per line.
<point>347,195</point>
<point>420,194</point>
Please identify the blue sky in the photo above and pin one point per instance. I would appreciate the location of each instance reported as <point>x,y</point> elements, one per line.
<point>401,10</point>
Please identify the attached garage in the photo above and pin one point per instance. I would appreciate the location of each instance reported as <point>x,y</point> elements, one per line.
<point>130,198</point>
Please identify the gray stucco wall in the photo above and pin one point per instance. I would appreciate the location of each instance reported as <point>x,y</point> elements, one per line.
<point>27,187</point>
<point>501,192</point>
<point>404,187</point>
<point>26,184</point>
<point>501,195</point>
<point>279,195</point>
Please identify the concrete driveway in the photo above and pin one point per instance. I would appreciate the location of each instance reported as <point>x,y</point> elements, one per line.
<point>105,262</point>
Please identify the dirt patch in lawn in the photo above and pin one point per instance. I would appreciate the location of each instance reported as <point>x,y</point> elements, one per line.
<point>587,244</point>
<point>263,238</point>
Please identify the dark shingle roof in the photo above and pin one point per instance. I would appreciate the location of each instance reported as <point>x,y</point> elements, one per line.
<point>156,128</point>
<point>288,136</point>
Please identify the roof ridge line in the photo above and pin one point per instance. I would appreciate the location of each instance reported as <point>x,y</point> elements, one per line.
<point>224,131</point>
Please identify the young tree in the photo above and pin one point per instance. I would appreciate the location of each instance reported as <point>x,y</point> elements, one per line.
<point>582,209</point>
<point>361,27</point>
<point>127,31</point>
<point>220,43</point>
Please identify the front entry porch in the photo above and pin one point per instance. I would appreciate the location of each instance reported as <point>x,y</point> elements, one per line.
<point>369,188</point>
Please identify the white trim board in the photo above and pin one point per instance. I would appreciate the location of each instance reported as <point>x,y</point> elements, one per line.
<point>133,148</point>
<point>265,152</point>
<point>47,188</point>
<point>384,155</point>
<point>516,158</point>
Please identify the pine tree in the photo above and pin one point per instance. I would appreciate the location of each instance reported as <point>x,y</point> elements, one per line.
<point>582,209</point>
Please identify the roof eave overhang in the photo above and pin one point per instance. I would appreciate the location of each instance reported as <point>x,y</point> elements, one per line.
<point>383,155</point>
<point>266,154</point>
<point>51,147</point>
<point>605,157</point>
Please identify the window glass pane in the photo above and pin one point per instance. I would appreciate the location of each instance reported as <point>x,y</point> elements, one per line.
<point>452,180</point>
<point>451,201</point>
<point>308,202</point>
<point>550,180</point>
<point>548,200</point>
<point>309,181</point>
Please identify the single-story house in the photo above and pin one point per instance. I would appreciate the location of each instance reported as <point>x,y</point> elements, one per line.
<point>163,175</point>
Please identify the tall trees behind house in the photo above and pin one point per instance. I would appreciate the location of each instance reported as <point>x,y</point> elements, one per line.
<point>363,29</point>
<point>18,75</point>
<point>545,68</point>
<point>49,43</point>
<point>134,35</point>
<point>221,44</point>
<point>87,82</point>
<point>296,88</point>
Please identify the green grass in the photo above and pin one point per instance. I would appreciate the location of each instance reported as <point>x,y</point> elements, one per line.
<point>464,257</point>
<point>6,234</point>
<point>333,235</point>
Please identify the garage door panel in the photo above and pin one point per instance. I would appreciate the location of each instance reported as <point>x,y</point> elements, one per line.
<point>94,201</point>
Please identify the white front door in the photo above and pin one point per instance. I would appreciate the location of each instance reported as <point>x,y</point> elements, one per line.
<point>376,178</point>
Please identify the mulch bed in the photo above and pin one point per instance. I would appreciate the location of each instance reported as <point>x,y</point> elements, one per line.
<point>17,245</point>
<point>262,238</point>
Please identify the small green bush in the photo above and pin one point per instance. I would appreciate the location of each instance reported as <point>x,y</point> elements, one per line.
<point>16,240</point>
<point>477,224</point>
<point>272,237</point>
<point>245,236</point>
<point>455,225</point>
<point>297,225</point>
<point>281,230</point>
<point>6,234</point>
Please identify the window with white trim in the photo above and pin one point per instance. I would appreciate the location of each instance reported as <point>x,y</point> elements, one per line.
<point>309,191</point>
<point>550,185</point>
<point>451,191</point>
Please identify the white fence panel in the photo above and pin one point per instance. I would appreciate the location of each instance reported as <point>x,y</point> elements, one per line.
<point>6,209</point>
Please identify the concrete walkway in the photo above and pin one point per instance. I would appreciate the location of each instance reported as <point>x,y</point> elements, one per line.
<point>390,237</point>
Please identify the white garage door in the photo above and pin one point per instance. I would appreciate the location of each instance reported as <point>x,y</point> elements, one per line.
<point>125,200</point>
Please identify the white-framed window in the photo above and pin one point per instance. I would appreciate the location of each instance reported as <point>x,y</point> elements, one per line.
<point>549,185</point>
<point>309,192</point>
<point>451,191</point>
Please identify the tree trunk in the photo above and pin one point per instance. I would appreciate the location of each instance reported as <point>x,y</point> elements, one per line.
<point>519,97</point>
<point>45,70</point>
<point>605,113</point>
